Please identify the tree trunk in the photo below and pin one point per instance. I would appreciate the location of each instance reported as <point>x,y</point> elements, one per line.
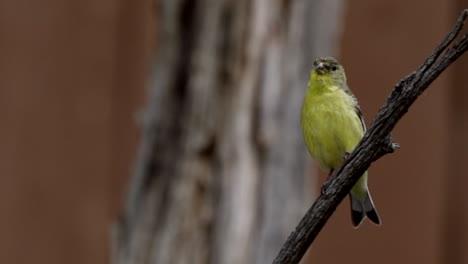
<point>222,175</point>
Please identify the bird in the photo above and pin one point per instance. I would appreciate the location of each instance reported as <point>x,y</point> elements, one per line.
<point>332,125</point>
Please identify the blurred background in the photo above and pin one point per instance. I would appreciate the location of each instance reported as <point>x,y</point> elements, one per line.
<point>167,131</point>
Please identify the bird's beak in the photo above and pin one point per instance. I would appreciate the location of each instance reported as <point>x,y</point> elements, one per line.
<point>320,68</point>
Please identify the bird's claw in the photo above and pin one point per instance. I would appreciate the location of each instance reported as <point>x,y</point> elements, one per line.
<point>346,155</point>
<point>325,186</point>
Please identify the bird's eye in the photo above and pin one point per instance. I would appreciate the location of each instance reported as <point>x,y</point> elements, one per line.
<point>334,68</point>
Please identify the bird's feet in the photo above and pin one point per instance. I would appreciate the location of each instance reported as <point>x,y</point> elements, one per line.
<point>324,188</point>
<point>331,175</point>
<point>346,155</point>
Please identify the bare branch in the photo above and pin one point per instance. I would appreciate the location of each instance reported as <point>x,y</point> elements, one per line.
<point>375,143</point>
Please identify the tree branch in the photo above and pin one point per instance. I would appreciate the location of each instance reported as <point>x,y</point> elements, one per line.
<point>376,143</point>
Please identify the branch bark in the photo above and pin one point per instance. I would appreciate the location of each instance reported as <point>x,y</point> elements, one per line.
<point>376,143</point>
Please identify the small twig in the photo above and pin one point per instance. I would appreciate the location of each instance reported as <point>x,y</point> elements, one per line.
<point>375,143</point>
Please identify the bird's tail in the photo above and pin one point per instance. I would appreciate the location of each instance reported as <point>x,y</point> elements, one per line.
<point>362,206</point>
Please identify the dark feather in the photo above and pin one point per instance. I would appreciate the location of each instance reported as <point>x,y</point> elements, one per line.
<point>373,216</point>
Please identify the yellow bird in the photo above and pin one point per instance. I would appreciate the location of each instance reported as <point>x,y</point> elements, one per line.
<point>332,125</point>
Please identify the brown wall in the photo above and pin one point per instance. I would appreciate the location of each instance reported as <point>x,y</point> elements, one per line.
<point>455,230</point>
<point>72,77</point>
<point>71,80</point>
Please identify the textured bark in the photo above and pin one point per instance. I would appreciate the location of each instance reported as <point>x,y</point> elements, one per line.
<point>376,143</point>
<point>222,172</point>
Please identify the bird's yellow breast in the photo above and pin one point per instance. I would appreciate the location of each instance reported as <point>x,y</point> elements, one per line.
<point>331,126</point>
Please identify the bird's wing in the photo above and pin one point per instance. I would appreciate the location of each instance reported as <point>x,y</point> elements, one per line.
<point>356,107</point>
<point>361,117</point>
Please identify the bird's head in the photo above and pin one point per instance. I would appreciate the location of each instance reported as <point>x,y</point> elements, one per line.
<point>329,70</point>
